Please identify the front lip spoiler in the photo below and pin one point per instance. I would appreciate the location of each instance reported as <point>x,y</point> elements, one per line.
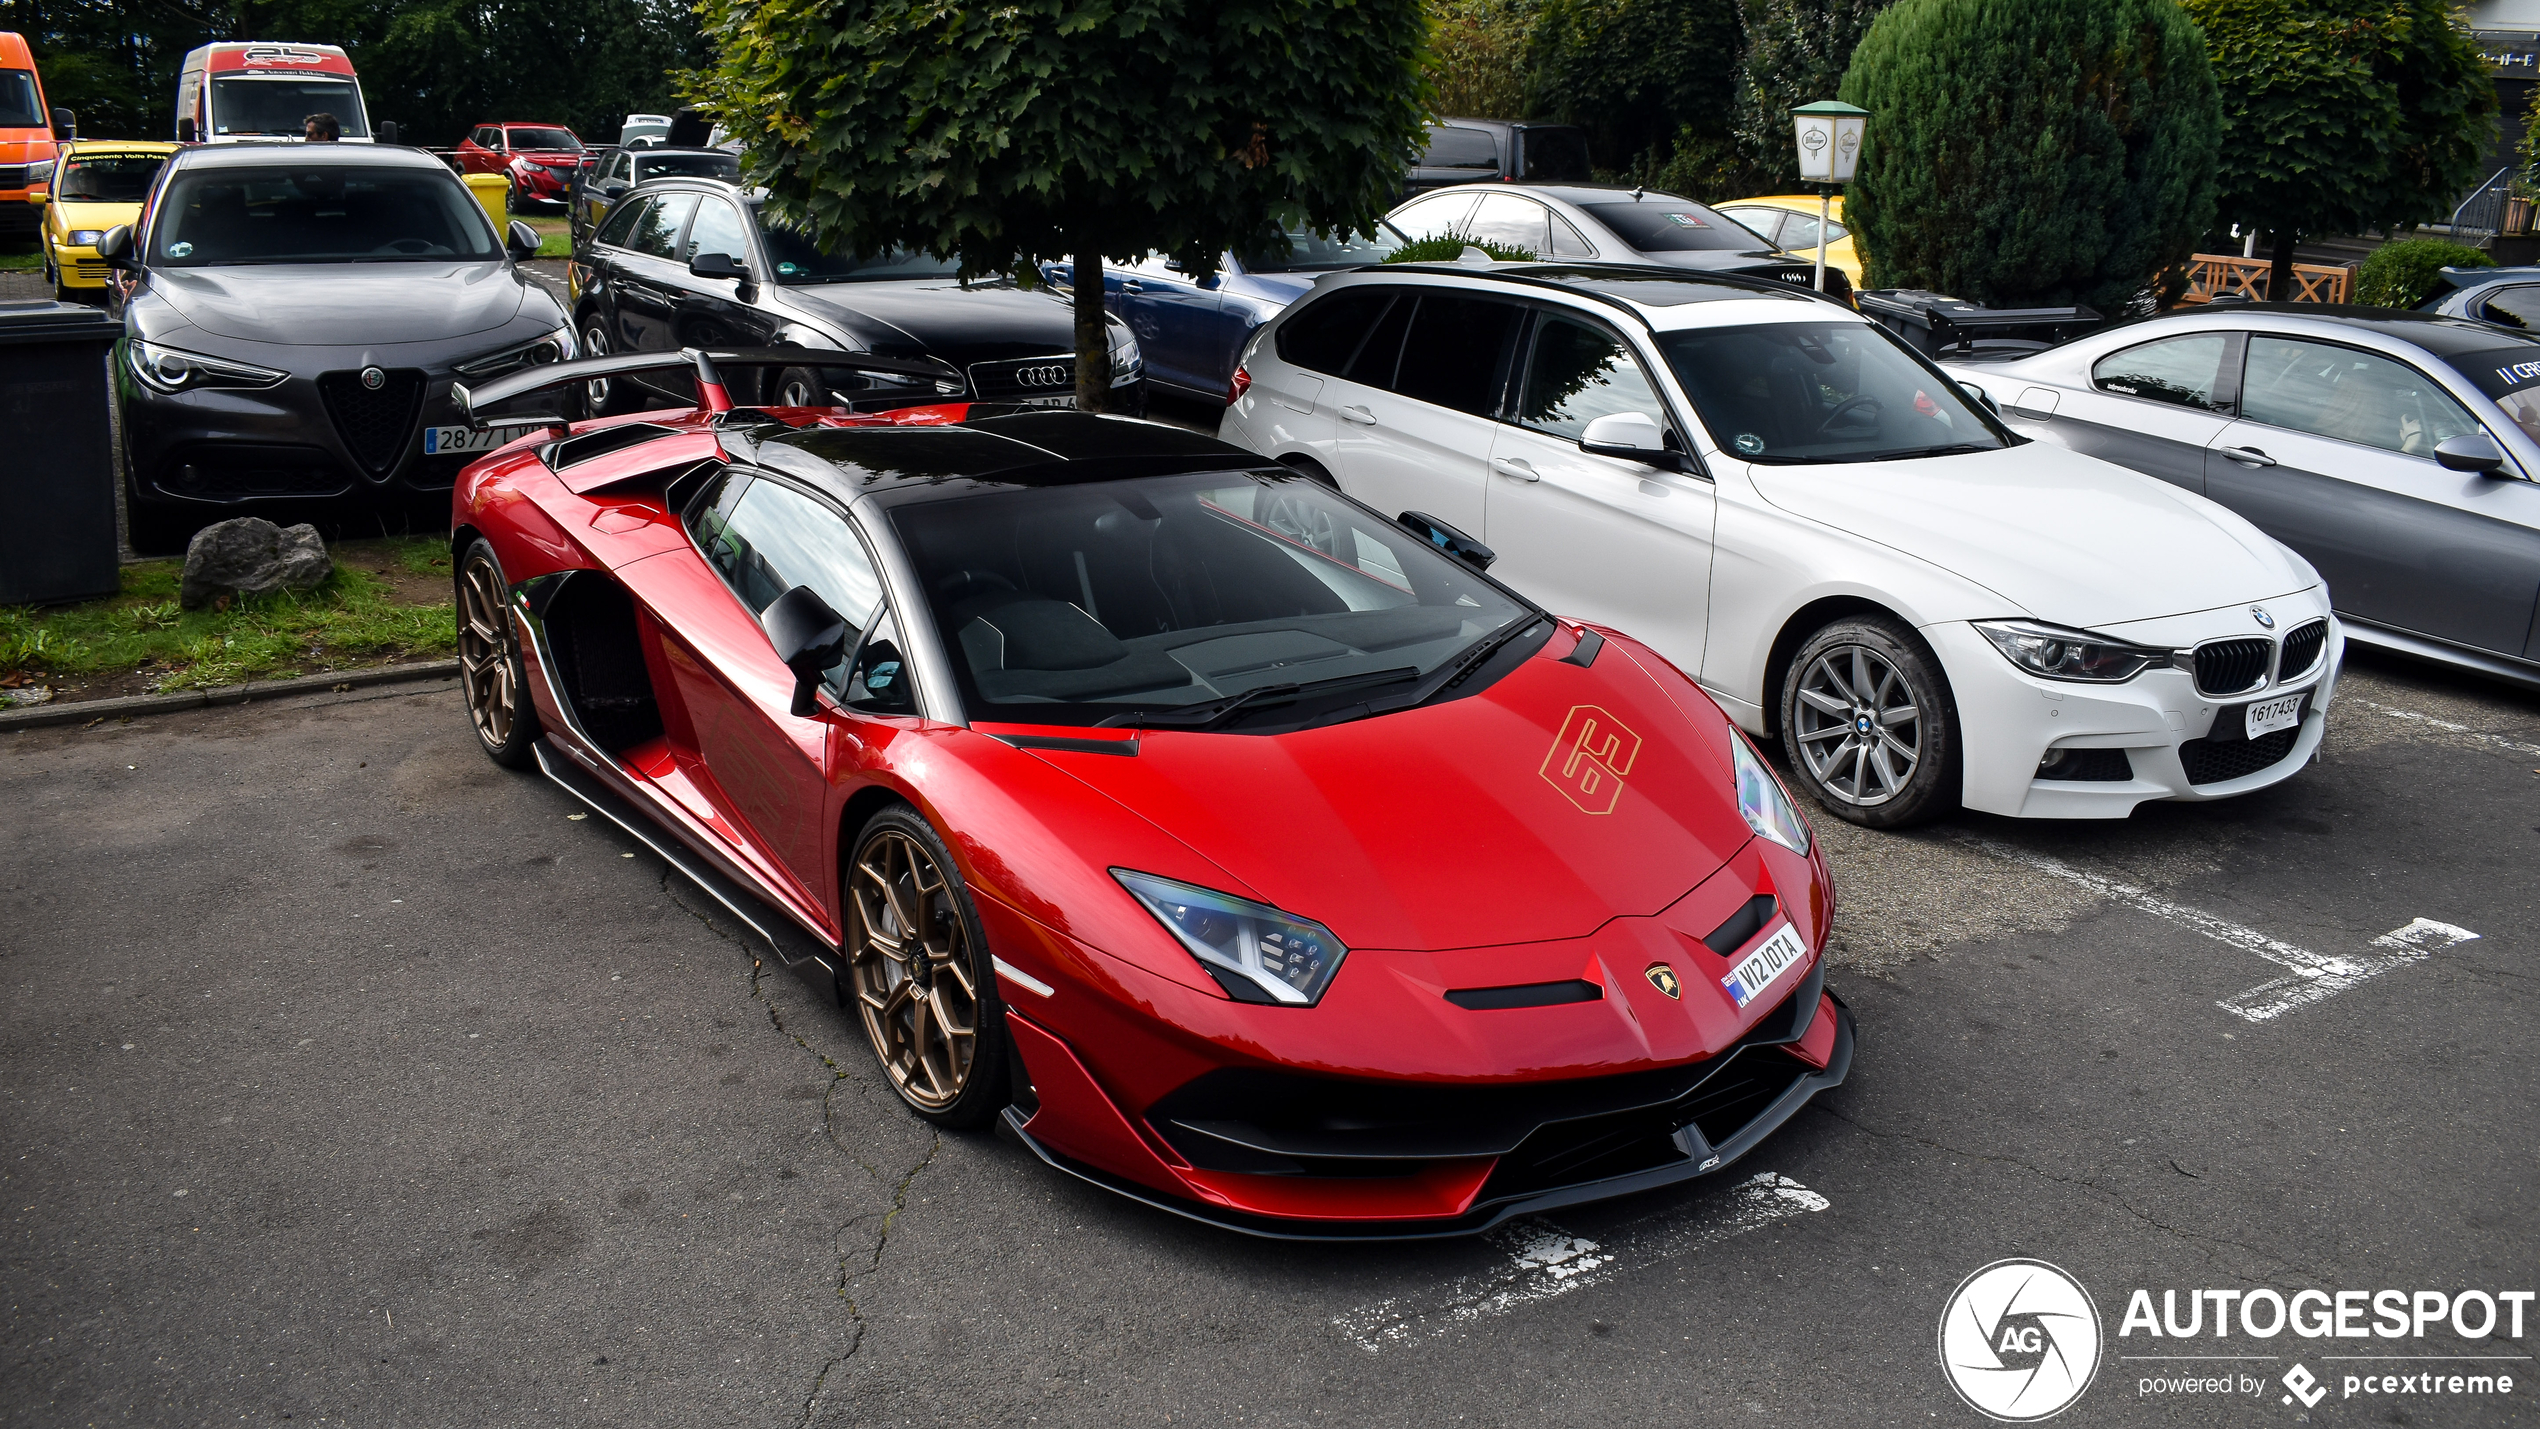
<point>1481,1218</point>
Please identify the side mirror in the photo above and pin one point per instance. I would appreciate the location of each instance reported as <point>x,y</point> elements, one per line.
<point>810,638</point>
<point>65,124</point>
<point>2471,451</point>
<point>522,240</point>
<point>612,188</point>
<point>1446,538</point>
<point>115,246</point>
<point>718,265</point>
<point>185,131</point>
<point>388,133</point>
<point>1629,436</point>
<point>1983,398</point>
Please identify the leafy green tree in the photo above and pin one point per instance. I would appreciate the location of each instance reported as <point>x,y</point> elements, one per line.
<point>2032,151</point>
<point>1634,72</point>
<point>1098,128</point>
<point>1796,53</point>
<point>2340,116</point>
<point>1478,56</point>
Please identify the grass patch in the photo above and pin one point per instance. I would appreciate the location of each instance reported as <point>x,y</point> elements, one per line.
<point>555,235</point>
<point>352,619</point>
<point>17,259</point>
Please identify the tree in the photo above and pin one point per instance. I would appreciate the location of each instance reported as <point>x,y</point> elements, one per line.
<point>2032,151</point>
<point>1097,128</point>
<point>1478,56</point>
<point>1634,72</point>
<point>2340,116</point>
<point>1796,53</point>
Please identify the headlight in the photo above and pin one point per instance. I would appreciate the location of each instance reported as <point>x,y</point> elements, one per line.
<point>1257,953</point>
<point>1124,353</point>
<point>1761,801</point>
<point>556,346</point>
<point>2060,654</point>
<point>165,369</point>
<point>84,237</point>
<point>39,173</point>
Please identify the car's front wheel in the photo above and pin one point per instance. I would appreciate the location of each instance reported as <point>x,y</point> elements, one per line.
<point>490,670</point>
<point>919,973</point>
<point>1869,725</point>
<point>599,394</point>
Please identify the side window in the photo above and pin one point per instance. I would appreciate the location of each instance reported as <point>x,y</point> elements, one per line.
<point>1799,230</point>
<point>1766,222</point>
<point>1451,147</point>
<point>2513,307</point>
<point>1568,242</point>
<point>620,168</point>
<point>2180,370</point>
<point>717,230</point>
<point>877,678</point>
<point>1452,356</point>
<point>1836,233</point>
<point>616,232</point>
<point>1577,374</point>
<point>2349,395</point>
<point>1380,356</point>
<point>765,538</point>
<point>658,233</point>
<point>1431,217</point>
<point>1325,335</point>
<point>1516,222</point>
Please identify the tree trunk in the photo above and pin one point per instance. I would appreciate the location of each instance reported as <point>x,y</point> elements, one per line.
<point>1093,343</point>
<point>2280,287</point>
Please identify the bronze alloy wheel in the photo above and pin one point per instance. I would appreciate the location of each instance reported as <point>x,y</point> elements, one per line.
<point>489,661</point>
<point>914,967</point>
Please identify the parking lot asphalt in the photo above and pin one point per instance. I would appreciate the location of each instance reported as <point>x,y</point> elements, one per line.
<point>349,1079</point>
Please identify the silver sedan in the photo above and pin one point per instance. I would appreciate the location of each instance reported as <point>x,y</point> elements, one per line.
<point>2396,451</point>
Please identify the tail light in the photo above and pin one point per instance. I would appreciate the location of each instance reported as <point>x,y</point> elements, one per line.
<point>1241,384</point>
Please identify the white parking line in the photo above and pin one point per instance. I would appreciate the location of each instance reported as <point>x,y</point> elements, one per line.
<point>2315,976</point>
<point>2445,725</point>
<point>1545,1260</point>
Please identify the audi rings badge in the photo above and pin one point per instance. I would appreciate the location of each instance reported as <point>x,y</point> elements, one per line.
<point>1053,375</point>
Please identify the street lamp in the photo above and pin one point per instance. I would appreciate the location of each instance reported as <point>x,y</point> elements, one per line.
<point>1829,149</point>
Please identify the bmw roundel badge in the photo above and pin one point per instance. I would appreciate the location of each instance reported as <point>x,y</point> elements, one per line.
<point>2265,621</point>
<point>373,379</point>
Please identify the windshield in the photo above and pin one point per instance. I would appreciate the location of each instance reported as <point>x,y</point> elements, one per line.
<point>544,139</point>
<point>1821,392</point>
<point>283,106</point>
<point>1309,254</point>
<point>18,109</point>
<point>1125,601</point>
<point>1656,225</point>
<point>330,214</point>
<point>798,260</point>
<point>108,178</point>
<point>2510,376</point>
<point>687,166</point>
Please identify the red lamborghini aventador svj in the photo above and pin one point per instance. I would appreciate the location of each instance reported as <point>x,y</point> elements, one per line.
<point>1253,853</point>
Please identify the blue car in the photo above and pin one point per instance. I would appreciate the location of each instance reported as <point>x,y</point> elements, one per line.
<point>1190,329</point>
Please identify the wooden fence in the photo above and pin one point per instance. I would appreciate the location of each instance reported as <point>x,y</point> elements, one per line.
<point>2215,275</point>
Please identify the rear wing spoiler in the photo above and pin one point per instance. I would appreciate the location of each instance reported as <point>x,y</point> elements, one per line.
<point>707,363</point>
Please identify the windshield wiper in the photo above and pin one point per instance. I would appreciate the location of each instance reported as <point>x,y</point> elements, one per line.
<point>1454,670</point>
<point>1952,449</point>
<point>1209,714</point>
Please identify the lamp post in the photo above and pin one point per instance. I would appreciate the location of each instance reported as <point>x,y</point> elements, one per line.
<point>1829,134</point>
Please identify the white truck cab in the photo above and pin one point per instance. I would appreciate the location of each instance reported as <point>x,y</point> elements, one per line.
<point>241,92</point>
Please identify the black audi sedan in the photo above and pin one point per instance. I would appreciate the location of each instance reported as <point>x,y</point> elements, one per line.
<point>690,262</point>
<point>293,317</point>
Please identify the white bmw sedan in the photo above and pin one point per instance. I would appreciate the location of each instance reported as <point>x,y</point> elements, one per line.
<point>1843,546</point>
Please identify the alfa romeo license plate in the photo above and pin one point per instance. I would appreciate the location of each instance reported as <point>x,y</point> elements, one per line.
<point>2282,712</point>
<point>1756,971</point>
<point>452,441</point>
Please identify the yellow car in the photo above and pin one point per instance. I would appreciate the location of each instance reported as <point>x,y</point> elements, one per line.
<point>1789,222</point>
<point>97,184</point>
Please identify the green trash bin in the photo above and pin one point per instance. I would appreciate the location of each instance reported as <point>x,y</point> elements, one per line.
<point>57,488</point>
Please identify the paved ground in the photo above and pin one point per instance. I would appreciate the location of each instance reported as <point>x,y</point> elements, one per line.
<point>346,1078</point>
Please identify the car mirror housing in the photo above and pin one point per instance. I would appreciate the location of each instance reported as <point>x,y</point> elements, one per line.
<point>809,637</point>
<point>718,265</point>
<point>2471,451</point>
<point>522,240</point>
<point>65,124</point>
<point>1630,436</point>
<point>1446,538</point>
<point>115,246</point>
<point>1983,398</point>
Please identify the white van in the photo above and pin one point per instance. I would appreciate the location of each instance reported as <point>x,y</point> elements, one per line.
<point>236,92</point>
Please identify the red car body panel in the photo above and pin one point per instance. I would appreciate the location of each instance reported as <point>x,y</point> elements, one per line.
<point>1565,824</point>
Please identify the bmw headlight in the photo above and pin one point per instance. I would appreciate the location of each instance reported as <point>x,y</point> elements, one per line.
<point>1124,353</point>
<point>165,369</point>
<point>2061,654</point>
<point>1762,802</point>
<point>556,346</point>
<point>1256,952</point>
<point>84,237</point>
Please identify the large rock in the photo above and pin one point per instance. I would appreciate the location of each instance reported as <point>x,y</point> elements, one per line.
<point>249,555</point>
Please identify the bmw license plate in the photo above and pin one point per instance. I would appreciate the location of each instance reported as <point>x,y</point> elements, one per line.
<point>1754,973</point>
<point>451,441</point>
<point>2282,712</point>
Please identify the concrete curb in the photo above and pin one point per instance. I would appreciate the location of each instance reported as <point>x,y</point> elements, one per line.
<point>127,706</point>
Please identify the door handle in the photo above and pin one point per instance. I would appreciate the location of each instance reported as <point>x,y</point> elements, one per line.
<point>1360,415</point>
<point>1132,285</point>
<point>1517,467</point>
<point>2248,456</point>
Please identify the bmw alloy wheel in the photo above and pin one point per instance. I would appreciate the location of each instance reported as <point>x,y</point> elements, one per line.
<point>913,969</point>
<point>1858,726</point>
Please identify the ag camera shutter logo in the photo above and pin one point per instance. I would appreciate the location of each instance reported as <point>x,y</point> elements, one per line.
<point>2019,1341</point>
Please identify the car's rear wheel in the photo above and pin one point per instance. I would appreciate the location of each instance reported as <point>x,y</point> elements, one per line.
<point>599,394</point>
<point>1869,725</point>
<point>799,387</point>
<point>490,670</point>
<point>919,973</point>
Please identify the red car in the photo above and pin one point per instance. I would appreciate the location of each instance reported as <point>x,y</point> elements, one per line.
<point>541,160</point>
<point>1254,855</point>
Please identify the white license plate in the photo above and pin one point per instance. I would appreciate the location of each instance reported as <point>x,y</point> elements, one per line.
<point>2268,716</point>
<point>1066,401</point>
<point>1778,954</point>
<point>451,441</point>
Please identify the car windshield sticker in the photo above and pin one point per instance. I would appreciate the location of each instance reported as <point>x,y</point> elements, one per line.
<point>180,250</point>
<point>1749,443</point>
<point>2500,372</point>
<point>1687,220</point>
